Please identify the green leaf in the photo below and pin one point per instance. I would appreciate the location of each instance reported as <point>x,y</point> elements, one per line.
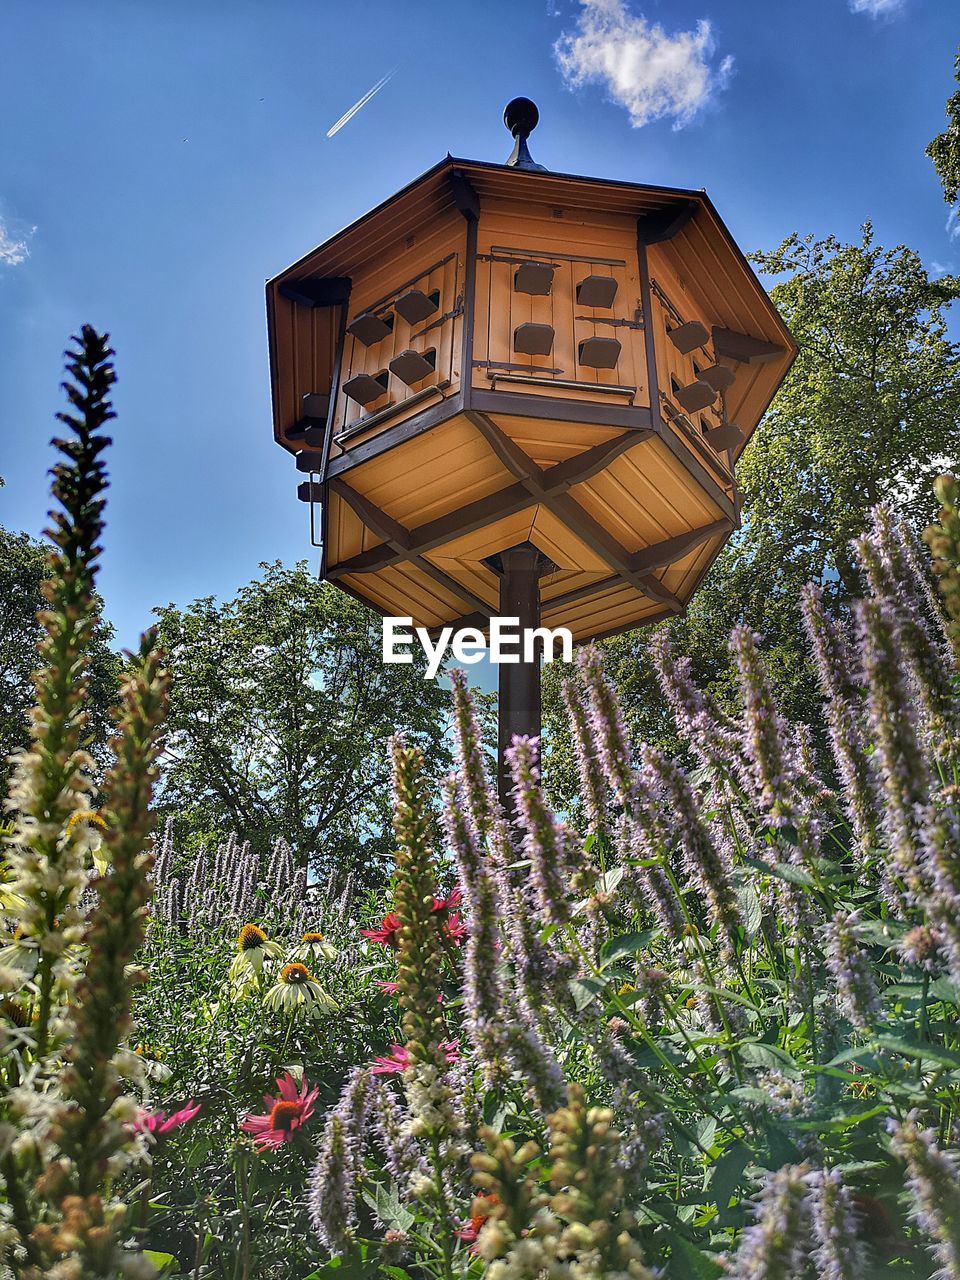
<point>584,991</point>
<point>687,1262</point>
<point>387,1205</point>
<point>164,1263</point>
<point>920,1049</point>
<point>750,907</point>
<point>783,871</point>
<point>627,944</point>
<point>766,1055</point>
<point>727,1173</point>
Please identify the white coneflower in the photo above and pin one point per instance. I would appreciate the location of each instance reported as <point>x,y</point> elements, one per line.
<point>297,990</point>
<point>313,948</point>
<point>253,947</point>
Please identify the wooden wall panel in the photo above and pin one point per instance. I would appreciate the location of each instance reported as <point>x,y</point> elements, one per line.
<point>578,243</point>
<point>432,259</point>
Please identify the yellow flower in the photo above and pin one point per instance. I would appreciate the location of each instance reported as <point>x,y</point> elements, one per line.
<point>298,989</point>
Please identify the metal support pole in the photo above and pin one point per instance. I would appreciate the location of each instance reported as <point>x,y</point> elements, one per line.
<point>519,702</point>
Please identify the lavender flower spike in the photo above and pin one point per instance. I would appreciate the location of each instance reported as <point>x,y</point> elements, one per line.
<point>592,782</point>
<point>934,1182</point>
<point>841,700</point>
<point>840,1254</point>
<point>331,1198</point>
<point>904,778</point>
<point>606,721</point>
<point>476,783</point>
<point>774,1246</point>
<point>547,843</point>
<point>850,969</point>
<point>702,860</point>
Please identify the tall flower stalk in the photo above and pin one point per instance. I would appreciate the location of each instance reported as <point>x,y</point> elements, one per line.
<point>69,1122</point>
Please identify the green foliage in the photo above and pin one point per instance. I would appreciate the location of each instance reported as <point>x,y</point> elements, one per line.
<point>280,711</point>
<point>22,570</point>
<point>751,995</point>
<point>944,150</point>
<point>204,1033</point>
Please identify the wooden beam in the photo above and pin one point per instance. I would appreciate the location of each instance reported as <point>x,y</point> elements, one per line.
<point>317,291</point>
<point>744,347</point>
<point>398,538</point>
<point>698,471</point>
<point>495,506</point>
<point>464,195</point>
<point>535,485</point>
<point>664,553</point>
<point>581,593</point>
<point>392,437</point>
<point>569,511</point>
<point>587,464</point>
<point>523,405</point>
<point>433,534</point>
<point>663,224</point>
<point>595,536</point>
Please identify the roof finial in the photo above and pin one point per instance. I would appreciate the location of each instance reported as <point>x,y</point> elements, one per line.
<point>521,116</point>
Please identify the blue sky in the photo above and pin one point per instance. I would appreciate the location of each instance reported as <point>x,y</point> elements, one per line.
<point>160,160</point>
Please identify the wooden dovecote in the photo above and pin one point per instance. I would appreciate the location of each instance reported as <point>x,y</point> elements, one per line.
<point>501,356</point>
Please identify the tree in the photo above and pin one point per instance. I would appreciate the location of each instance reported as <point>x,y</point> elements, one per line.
<point>23,567</point>
<point>280,711</point>
<point>944,150</point>
<point>867,414</point>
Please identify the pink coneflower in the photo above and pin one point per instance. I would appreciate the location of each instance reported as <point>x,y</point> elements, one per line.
<point>455,929</point>
<point>284,1114</point>
<point>386,935</point>
<point>159,1123</point>
<point>450,902</point>
<point>397,1061</point>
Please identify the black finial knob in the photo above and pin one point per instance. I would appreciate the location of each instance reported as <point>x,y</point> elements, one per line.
<point>521,117</point>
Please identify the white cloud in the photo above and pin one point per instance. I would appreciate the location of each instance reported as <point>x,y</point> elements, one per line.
<point>12,250</point>
<point>652,74</point>
<point>953,223</point>
<point>876,8</point>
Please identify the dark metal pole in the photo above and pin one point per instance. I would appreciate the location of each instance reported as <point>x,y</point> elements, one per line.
<point>519,703</point>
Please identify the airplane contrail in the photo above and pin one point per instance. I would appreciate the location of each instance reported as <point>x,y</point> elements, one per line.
<point>348,115</point>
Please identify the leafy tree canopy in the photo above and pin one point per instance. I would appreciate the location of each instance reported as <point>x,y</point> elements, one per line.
<point>868,413</point>
<point>280,712</point>
<point>944,150</point>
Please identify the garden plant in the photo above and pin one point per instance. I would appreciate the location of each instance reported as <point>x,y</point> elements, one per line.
<point>713,1034</point>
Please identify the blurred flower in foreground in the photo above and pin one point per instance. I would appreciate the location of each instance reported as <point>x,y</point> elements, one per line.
<point>284,1114</point>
